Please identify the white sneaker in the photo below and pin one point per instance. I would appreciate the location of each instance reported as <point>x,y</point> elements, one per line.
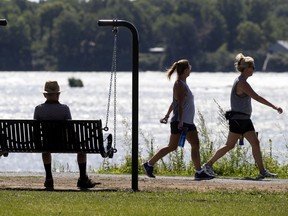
<point>208,169</point>
<point>267,174</point>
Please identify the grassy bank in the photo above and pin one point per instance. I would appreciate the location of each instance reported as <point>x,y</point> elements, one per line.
<point>142,203</point>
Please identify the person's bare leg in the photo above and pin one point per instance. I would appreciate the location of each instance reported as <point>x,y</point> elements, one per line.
<point>192,138</point>
<point>173,144</point>
<point>256,151</point>
<point>230,144</point>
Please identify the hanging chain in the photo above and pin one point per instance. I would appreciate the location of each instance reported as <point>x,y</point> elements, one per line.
<point>113,75</point>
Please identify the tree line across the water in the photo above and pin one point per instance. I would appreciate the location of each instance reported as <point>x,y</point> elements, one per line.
<point>63,35</point>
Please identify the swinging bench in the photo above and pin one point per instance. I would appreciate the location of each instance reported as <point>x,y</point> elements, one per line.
<point>70,136</point>
<point>76,135</point>
<point>55,136</point>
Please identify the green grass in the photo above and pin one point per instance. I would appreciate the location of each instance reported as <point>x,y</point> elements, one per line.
<point>142,203</point>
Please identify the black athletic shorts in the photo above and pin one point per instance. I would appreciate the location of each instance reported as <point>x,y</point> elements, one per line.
<point>240,126</point>
<point>175,130</point>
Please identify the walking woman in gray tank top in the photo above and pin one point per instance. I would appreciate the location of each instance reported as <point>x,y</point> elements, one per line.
<point>183,117</point>
<point>240,124</point>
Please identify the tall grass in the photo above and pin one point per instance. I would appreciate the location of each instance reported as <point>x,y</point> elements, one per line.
<point>237,162</point>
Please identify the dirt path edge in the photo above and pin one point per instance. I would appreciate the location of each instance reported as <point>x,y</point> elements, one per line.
<point>67,181</point>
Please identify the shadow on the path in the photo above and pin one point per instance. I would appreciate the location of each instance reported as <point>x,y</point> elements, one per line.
<point>57,189</point>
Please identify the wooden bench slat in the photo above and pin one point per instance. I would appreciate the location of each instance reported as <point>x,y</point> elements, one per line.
<point>71,136</point>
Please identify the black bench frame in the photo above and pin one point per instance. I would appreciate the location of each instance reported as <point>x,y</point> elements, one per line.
<point>70,136</point>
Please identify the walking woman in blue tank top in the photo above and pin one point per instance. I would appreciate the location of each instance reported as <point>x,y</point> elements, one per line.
<point>240,124</point>
<point>183,117</point>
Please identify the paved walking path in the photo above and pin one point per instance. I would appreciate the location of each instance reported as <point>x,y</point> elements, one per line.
<point>67,181</point>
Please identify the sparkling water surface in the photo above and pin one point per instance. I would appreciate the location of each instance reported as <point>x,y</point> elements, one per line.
<point>20,92</point>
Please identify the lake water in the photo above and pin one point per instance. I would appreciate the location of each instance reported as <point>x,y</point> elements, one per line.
<point>20,92</point>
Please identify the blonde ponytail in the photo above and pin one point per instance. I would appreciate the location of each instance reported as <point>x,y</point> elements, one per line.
<point>171,70</point>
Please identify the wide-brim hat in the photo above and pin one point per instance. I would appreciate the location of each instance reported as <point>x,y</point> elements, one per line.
<point>51,87</point>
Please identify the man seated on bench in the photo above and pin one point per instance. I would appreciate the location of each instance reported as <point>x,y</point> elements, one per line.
<point>52,109</point>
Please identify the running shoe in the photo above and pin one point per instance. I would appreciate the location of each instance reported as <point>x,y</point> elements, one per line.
<point>266,174</point>
<point>148,170</point>
<point>208,169</point>
<point>203,176</point>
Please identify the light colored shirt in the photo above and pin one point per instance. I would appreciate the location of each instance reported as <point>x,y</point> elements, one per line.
<point>188,107</point>
<point>240,103</point>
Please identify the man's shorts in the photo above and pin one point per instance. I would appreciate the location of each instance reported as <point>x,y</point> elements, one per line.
<point>175,130</point>
<point>240,126</point>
